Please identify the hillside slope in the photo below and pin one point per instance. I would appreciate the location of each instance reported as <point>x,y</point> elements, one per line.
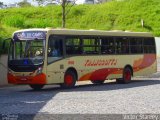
<point>122,15</point>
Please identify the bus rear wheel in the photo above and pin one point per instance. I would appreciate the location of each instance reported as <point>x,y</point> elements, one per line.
<point>97,81</point>
<point>36,86</point>
<point>69,80</point>
<point>127,75</point>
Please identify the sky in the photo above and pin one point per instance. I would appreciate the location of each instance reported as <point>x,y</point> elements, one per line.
<point>16,1</point>
<point>12,1</point>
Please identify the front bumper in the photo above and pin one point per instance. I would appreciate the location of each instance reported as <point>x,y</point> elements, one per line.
<point>38,79</point>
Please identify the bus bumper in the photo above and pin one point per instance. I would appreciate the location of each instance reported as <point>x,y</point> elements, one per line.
<point>38,79</point>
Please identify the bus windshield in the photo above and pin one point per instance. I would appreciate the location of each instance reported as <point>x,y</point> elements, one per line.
<point>27,49</point>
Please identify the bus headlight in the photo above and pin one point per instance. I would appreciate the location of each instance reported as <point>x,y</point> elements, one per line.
<point>39,71</point>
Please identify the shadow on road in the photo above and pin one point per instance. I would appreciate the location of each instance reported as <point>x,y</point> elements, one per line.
<point>101,87</point>
<point>26,102</point>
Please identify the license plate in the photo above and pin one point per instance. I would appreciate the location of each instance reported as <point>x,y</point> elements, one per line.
<point>23,79</point>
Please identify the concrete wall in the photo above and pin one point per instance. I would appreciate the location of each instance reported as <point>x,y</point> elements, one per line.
<point>3,70</point>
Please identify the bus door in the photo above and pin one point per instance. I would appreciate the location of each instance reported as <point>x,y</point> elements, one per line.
<point>55,66</point>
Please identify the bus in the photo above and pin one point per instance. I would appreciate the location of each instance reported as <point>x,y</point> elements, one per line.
<point>39,57</point>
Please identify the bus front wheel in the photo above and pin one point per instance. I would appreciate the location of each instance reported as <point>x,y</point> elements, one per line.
<point>69,80</point>
<point>36,86</point>
<point>127,74</point>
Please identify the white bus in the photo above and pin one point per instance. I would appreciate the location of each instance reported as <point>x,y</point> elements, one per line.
<point>38,57</point>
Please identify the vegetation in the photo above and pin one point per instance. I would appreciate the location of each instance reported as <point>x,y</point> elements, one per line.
<point>24,3</point>
<point>5,32</point>
<point>1,3</point>
<point>40,2</point>
<point>115,15</point>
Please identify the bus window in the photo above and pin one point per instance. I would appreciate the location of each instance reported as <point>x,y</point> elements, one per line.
<point>149,45</point>
<point>107,45</point>
<point>122,45</point>
<point>55,48</point>
<point>90,46</point>
<point>73,46</point>
<point>136,45</point>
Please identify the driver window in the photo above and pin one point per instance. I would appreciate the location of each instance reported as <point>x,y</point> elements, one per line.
<point>55,48</point>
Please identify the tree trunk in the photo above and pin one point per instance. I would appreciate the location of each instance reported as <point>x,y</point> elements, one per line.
<point>63,14</point>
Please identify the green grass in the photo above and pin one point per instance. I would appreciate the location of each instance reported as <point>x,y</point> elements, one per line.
<point>5,32</point>
<point>122,15</point>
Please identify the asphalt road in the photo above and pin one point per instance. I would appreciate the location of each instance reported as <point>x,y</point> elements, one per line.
<point>141,96</point>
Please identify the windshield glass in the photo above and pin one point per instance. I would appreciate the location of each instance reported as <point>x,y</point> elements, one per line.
<point>27,49</point>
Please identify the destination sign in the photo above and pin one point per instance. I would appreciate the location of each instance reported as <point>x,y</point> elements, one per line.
<point>30,35</point>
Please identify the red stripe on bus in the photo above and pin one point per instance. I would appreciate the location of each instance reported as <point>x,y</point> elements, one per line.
<point>145,62</point>
<point>102,74</point>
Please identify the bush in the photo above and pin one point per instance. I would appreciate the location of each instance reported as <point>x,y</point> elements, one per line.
<point>14,21</point>
<point>39,23</point>
<point>5,49</point>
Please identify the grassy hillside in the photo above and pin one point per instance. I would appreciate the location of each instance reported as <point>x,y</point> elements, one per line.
<point>122,15</point>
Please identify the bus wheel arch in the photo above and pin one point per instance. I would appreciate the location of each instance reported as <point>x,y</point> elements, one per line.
<point>126,76</point>
<point>74,71</point>
<point>130,67</point>
<point>70,78</point>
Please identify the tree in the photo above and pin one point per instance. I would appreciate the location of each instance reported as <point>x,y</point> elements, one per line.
<point>40,2</point>
<point>24,3</point>
<point>103,1</point>
<point>1,4</point>
<point>66,7</point>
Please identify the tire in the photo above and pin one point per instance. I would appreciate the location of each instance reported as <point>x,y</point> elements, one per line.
<point>69,80</point>
<point>97,81</point>
<point>36,86</point>
<point>127,74</point>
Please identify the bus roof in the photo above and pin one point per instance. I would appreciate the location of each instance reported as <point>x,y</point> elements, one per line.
<point>60,31</point>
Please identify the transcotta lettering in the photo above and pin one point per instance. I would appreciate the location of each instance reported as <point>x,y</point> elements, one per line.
<point>107,62</point>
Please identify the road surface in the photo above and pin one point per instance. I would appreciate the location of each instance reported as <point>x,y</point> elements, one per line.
<point>141,96</point>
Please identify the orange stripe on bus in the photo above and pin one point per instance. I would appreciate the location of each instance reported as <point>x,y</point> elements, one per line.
<point>85,77</point>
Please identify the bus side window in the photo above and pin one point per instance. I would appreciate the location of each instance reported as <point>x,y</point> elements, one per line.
<point>107,45</point>
<point>90,45</point>
<point>136,45</point>
<point>122,45</point>
<point>149,45</point>
<point>73,46</point>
